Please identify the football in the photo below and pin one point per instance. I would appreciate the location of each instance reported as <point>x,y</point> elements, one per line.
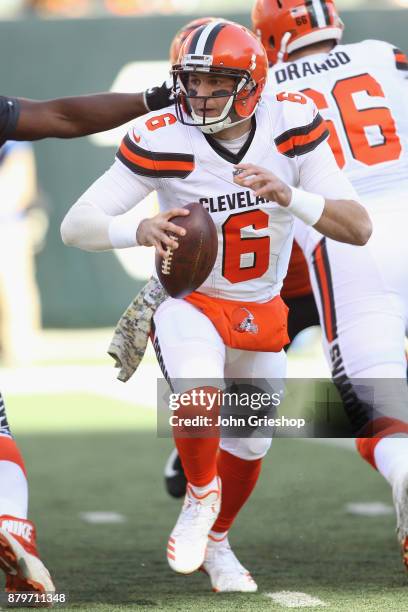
<point>183,270</point>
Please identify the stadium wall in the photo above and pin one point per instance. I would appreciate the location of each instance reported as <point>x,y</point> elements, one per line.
<point>44,59</point>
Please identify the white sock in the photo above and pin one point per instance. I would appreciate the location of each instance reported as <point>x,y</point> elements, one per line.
<point>218,538</point>
<point>200,491</point>
<point>391,457</point>
<point>13,490</point>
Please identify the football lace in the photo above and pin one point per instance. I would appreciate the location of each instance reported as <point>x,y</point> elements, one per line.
<point>167,260</point>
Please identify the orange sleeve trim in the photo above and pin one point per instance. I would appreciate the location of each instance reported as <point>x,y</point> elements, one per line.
<point>153,164</point>
<point>304,140</point>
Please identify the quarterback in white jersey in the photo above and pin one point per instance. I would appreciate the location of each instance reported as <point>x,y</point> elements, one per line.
<point>362,294</point>
<point>286,170</point>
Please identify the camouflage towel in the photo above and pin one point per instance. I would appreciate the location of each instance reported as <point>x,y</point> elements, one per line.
<point>132,331</point>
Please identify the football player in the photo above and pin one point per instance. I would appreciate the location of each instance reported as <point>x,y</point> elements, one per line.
<point>23,119</point>
<point>296,292</point>
<point>256,166</point>
<point>362,294</point>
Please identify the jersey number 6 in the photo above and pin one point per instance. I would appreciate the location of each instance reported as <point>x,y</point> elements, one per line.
<point>238,251</point>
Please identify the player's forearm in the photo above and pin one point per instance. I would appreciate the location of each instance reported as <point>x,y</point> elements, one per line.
<point>89,228</point>
<point>97,221</point>
<point>77,116</point>
<point>345,221</point>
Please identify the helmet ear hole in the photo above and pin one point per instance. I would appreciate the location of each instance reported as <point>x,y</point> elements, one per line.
<point>271,42</point>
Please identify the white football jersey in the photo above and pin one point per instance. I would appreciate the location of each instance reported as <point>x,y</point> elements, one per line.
<point>362,91</point>
<point>255,235</point>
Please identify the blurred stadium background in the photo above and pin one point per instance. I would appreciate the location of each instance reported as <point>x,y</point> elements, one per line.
<point>89,441</point>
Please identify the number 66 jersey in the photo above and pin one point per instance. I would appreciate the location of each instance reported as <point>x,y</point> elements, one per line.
<point>288,137</point>
<point>361,90</point>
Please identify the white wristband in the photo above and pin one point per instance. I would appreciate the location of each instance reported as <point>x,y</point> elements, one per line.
<point>306,206</point>
<point>122,232</point>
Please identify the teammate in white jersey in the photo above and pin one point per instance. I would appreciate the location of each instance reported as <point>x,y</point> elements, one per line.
<point>362,294</point>
<point>220,126</point>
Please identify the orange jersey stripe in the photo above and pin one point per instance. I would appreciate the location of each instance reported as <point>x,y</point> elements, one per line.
<point>401,57</point>
<point>153,164</point>
<point>304,139</point>
<point>325,293</point>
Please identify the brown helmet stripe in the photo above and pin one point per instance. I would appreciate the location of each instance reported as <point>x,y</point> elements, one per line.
<point>194,40</point>
<point>325,10</point>
<point>209,45</point>
<point>312,13</point>
<point>204,38</point>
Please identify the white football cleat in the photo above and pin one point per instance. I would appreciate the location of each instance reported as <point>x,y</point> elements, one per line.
<point>19,558</point>
<point>400,497</point>
<point>188,540</point>
<point>225,571</point>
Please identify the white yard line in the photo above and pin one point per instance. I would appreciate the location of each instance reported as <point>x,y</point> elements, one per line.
<point>369,509</point>
<point>292,599</point>
<point>102,518</point>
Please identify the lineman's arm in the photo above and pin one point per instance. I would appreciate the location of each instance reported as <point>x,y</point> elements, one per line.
<point>82,115</point>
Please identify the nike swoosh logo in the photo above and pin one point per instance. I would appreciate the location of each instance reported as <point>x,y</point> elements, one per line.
<point>136,137</point>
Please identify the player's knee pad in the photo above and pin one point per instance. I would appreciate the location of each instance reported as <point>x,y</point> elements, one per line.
<point>246,448</point>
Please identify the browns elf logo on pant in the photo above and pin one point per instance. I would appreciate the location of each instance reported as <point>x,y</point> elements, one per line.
<point>244,321</point>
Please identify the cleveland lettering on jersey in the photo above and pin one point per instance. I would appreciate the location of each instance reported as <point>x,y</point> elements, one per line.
<point>306,68</point>
<point>231,201</point>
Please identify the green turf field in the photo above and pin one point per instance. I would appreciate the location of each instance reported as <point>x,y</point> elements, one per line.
<point>294,535</point>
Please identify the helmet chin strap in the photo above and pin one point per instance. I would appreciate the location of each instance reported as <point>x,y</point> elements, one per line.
<point>227,123</point>
<point>216,123</point>
<point>284,43</point>
<point>217,127</point>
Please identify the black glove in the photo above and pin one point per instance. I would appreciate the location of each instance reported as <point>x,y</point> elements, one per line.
<point>156,98</point>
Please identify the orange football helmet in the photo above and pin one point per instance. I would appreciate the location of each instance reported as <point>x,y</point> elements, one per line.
<point>287,25</point>
<point>228,50</point>
<point>182,34</point>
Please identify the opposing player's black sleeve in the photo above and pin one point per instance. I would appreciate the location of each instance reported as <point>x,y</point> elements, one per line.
<point>9,112</point>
